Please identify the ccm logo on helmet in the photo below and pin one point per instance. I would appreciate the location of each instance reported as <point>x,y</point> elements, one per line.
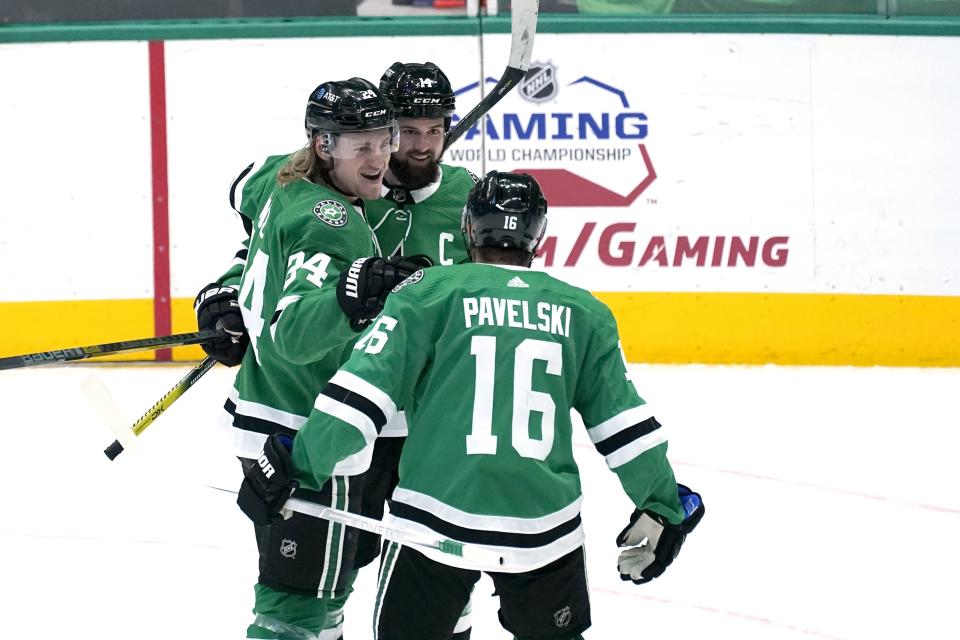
<point>426,100</point>
<point>374,114</point>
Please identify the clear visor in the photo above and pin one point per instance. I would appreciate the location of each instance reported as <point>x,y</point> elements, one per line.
<point>360,144</point>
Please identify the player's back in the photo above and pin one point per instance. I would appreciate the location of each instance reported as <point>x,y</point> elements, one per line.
<point>510,351</point>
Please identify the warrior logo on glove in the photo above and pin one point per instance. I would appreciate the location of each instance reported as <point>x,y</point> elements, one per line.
<point>363,288</point>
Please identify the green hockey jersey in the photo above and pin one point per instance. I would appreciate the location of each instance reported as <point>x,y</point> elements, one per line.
<point>425,221</point>
<point>303,236</point>
<point>247,194</point>
<point>487,360</point>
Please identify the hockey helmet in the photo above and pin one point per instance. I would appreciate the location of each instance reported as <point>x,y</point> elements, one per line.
<point>347,106</point>
<point>419,91</point>
<point>505,210</point>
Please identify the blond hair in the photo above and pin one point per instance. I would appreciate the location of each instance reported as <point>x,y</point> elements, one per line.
<point>305,163</point>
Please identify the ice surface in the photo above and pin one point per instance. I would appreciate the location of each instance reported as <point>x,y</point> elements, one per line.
<point>832,495</point>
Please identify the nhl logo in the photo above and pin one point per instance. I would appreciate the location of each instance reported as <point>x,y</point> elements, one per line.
<point>331,212</point>
<point>399,195</point>
<point>540,82</point>
<point>288,548</point>
<point>562,617</point>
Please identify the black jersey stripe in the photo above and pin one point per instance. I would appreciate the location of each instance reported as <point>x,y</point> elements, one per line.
<point>356,401</point>
<point>242,254</point>
<point>628,435</point>
<point>477,536</point>
<point>256,425</point>
<point>233,188</point>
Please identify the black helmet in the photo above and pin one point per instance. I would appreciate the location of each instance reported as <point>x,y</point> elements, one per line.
<point>418,91</point>
<point>347,105</point>
<point>505,210</point>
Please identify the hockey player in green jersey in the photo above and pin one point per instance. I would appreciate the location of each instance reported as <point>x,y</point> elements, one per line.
<point>418,214</point>
<point>422,198</point>
<point>488,359</point>
<point>311,280</point>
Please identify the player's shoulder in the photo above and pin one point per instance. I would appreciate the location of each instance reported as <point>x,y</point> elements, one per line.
<point>579,297</point>
<point>459,176</point>
<point>306,203</point>
<point>263,172</point>
<point>430,286</point>
<point>254,184</point>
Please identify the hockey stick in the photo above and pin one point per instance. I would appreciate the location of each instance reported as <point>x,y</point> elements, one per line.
<point>523,26</point>
<point>116,448</point>
<point>396,534</point>
<point>82,353</point>
<point>399,535</point>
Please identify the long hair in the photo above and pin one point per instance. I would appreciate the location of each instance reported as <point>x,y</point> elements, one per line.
<point>306,163</point>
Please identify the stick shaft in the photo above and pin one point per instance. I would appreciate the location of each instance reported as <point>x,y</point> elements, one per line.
<point>71,354</point>
<point>173,395</point>
<point>116,448</point>
<point>523,27</point>
<point>397,534</point>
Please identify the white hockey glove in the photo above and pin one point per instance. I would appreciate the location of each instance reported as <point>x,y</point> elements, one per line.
<point>653,542</point>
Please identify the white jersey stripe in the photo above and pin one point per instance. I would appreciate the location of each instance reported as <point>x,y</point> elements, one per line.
<point>355,464</point>
<point>515,559</point>
<point>262,411</point>
<point>619,422</point>
<point>635,448</point>
<point>396,427</point>
<point>373,394</point>
<point>503,524</point>
<point>245,444</point>
<point>334,529</point>
<point>383,584</point>
<point>348,414</point>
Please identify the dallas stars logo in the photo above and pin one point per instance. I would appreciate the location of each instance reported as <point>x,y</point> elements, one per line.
<point>331,212</point>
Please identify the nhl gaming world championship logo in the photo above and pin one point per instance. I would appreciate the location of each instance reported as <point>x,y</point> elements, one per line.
<point>579,130</point>
<point>566,134</point>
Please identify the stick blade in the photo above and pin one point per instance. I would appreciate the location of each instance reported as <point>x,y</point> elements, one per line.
<point>523,28</point>
<point>109,413</point>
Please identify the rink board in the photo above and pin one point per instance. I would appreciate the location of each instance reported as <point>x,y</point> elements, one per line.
<point>735,198</point>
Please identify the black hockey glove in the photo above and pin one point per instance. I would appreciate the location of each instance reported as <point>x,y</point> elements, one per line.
<point>663,540</point>
<point>363,288</point>
<point>269,482</point>
<point>217,308</point>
